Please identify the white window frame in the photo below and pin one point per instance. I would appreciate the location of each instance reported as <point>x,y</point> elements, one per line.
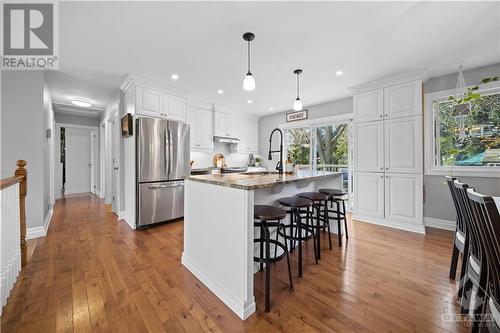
<point>430,143</point>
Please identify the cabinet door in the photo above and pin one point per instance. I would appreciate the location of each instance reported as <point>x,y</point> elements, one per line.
<point>149,102</point>
<point>220,124</point>
<point>174,107</point>
<point>404,198</point>
<point>191,118</point>
<point>369,146</point>
<point>254,136</point>
<point>248,135</point>
<point>403,100</point>
<point>369,106</point>
<point>206,129</point>
<point>233,126</point>
<point>403,144</point>
<point>369,194</point>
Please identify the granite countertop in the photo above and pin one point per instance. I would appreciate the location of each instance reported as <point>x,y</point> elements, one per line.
<point>256,181</point>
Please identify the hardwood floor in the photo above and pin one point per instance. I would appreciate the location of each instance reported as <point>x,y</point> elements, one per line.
<point>93,273</point>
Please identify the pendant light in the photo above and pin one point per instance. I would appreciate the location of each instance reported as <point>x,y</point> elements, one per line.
<point>297,105</point>
<point>249,81</point>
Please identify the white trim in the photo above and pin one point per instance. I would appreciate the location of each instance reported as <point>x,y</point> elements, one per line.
<point>40,231</point>
<point>430,168</point>
<point>242,310</point>
<point>390,81</point>
<point>77,126</point>
<point>439,223</point>
<point>418,228</point>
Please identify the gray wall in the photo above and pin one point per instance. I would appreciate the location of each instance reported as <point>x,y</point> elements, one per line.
<point>438,202</point>
<point>63,118</point>
<point>23,135</point>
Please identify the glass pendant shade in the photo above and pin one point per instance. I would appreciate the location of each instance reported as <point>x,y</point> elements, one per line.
<point>297,105</point>
<point>249,82</point>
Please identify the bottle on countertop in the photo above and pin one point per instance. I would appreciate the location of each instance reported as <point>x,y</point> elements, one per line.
<point>288,165</point>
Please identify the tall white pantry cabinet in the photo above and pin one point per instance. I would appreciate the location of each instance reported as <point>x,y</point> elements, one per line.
<point>388,155</point>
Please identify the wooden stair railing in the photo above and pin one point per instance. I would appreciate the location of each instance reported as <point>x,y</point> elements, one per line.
<point>20,176</point>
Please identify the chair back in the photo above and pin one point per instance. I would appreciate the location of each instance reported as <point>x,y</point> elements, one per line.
<point>475,245</point>
<point>460,218</point>
<point>485,215</point>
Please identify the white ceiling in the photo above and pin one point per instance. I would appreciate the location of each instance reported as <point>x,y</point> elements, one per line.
<point>100,43</point>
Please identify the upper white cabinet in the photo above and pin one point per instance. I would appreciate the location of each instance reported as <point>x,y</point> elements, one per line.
<point>369,106</point>
<point>249,136</point>
<point>403,100</point>
<point>226,125</point>
<point>201,133</point>
<point>154,103</point>
<point>149,102</point>
<point>174,107</point>
<point>369,146</point>
<point>403,198</point>
<point>369,194</point>
<point>403,145</point>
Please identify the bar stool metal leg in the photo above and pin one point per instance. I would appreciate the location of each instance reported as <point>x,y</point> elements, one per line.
<point>345,220</point>
<point>327,222</point>
<point>268,268</point>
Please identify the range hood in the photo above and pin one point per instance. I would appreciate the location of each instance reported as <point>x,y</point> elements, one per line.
<point>225,139</point>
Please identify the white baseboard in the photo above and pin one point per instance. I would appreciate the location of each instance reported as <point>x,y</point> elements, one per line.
<point>238,306</point>
<point>440,223</point>
<point>418,228</point>
<point>40,231</point>
<point>122,215</point>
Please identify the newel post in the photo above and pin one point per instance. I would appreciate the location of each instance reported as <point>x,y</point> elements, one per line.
<point>21,171</point>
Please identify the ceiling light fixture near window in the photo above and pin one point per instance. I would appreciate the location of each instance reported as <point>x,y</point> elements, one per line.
<point>249,101</point>
<point>339,73</point>
<point>174,77</point>
<point>81,103</point>
<point>297,105</point>
<point>248,81</point>
<point>220,91</point>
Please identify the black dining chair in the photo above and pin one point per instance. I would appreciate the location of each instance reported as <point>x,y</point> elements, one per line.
<point>460,241</point>
<point>476,274</point>
<point>485,215</point>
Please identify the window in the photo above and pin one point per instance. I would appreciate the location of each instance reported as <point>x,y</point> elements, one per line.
<point>467,141</point>
<point>298,142</point>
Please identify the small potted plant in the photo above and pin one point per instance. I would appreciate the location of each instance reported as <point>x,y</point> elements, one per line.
<point>463,99</point>
<point>258,159</point>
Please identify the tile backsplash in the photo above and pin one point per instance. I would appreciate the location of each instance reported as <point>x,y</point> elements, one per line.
<point>204,159</point>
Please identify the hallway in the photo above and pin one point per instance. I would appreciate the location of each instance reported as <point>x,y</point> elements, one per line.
<point>93,273</point>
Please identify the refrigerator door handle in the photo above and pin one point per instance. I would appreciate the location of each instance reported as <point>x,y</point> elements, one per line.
<point>170,149</point>
<point>165,140</point>
<point>153,187</point>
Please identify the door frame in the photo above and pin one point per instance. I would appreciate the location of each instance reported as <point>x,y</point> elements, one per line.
<point>57,153</point>
<point>115,115</point>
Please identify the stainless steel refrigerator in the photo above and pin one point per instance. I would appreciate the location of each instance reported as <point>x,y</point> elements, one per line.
<point>162,148</point>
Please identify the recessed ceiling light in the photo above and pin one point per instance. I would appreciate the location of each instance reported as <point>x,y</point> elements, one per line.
<point>220,91</point>
<point>81,103</point>
<point>249,101</point>
<point>271,109</point>
<point>339,73</point>
<point>174,77</point>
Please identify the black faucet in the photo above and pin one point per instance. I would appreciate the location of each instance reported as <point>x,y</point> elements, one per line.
<point>279,165</point>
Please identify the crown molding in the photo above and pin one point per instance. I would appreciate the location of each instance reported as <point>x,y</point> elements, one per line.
<point>146,82</point>
<point>422,75</point>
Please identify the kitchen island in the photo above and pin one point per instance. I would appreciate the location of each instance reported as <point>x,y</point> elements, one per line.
<point>219,232</point>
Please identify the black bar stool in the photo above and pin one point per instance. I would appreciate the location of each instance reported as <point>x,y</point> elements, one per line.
<point>322,222</point>
<point>270,216</point>
<point>338,197</point>
<point>303,231</point>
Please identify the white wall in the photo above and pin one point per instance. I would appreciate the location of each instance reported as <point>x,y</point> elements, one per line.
<point>76,120</point>
<point>48,154</point>
<point>23,136</point>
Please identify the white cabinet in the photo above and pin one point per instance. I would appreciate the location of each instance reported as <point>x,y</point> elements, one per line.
<point>201,129</point>
<point>369,194</point>
<point>149,102</point>
<point>404,198</point>
<point>226,125</point>
<point>174,107</point>
<point>369,146</point>
<point>369,106</point>
<point>154,103</point>
<point>403,100</point>
<point>248,135</point>
<point>403,145</point>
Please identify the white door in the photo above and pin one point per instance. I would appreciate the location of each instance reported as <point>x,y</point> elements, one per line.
<point>149,102</point>
<point>369,106</point>
<point>403,144</point>
<point>369,146</point>
<point>115,153</point>
<point>191,115</point>
<point>403,198</point>
<point>233,126</point>
<point>206,131</point>
<point>92,161</point>
<point>403,100</point>
<point>220,124</point>
<point>78,162</point>
<point>102,161</point>
<point>369,194</point>
<point>174,107</point>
